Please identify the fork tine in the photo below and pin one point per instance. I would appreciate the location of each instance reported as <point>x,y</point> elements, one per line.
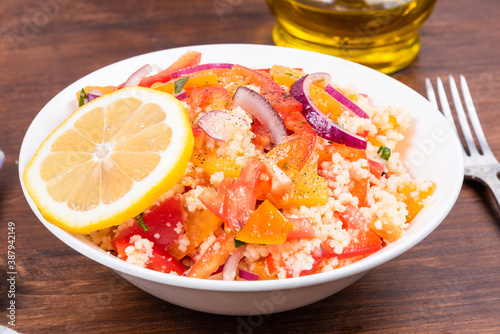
<point>476,125</point>
<point>430,93</point>
<point>462,119</point>
<point>445,106</point>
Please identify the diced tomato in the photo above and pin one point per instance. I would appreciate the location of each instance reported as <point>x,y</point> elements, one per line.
<point>214,199</point>
<point>294,153</point>
<point>351,218</point>
<point>273,264</point>
<point>376,168</point>
<point>366,242</point>
<point>283,104</point>
<point>318,256</point>
<point>234,201</point>
<point>199,136</point>
<point>163,222</point>
<point>120,245</point>
<point>297,123</point>
<point>359,188</point>
<point>216,97</point>
<point>162,261</point>
<point>241,198</point>
<point>190,58</point>
<point>213,257</point>
<point>261,134</point>
<point>302,228</point>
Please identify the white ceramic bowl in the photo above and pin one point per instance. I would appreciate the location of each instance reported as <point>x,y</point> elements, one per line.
<point>434,153</point>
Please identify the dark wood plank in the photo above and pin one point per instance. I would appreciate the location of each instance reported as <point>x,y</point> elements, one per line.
<point>449,283</point>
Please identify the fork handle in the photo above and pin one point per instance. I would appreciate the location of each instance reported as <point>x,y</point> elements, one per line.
<point>487,175</point>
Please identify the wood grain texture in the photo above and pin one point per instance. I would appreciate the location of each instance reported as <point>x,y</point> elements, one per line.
<point>449,283</point>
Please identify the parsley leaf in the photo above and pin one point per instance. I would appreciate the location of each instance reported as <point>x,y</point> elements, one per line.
<point>83,98</point>
<point>239,243</point>
<point>139,222</point>
<point>179,84</point>
<point>384,152</point>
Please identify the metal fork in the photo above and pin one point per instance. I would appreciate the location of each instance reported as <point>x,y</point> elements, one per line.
<point>479,161</point>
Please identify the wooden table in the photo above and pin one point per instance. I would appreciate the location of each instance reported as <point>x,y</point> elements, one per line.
<point>449,283</point>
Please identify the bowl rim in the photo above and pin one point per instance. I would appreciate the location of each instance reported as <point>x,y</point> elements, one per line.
<point>386,254</point>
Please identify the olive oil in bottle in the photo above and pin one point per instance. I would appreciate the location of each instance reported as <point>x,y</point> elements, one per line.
<point>382,34</point>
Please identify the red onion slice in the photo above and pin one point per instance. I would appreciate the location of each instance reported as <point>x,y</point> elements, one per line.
<point>137,76</point>
<point>229,270</point>
<point>351,106</point>
<point>221,125</point>
<point>322,124</point>
<point>262,109</point>
<point>94,94</point>
<point>181,96</point>
<point>246,275</point>
<point>199,68</point>
<point>218,271</point>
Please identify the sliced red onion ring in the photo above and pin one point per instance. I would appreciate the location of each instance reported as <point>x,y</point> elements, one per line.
<point>221,125</point>
<point>323,125</point>
<point>262,109</point>
<point>246,275</point>
<point>199,68</point>
<point>137,76</point>
<point>181,96</point>
<point>94,94</point>
<point>218,271</point>
<point>229,270</point>
<point>345,101</point>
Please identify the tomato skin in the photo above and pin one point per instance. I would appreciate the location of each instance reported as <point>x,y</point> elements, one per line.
<point>273,264</point>
<point>162,261</point>
<point>216,254</point>
<point>366,242</point>
<point>241,198</point>
<point>190,58</point>
<point>283,104</point>
<point>262,137</point>
<point>162,221</point>
<point>302,228</point>
<point>376,168</point>
<point>215,97</point>
<point>351,218</point>
<point>318,256</point>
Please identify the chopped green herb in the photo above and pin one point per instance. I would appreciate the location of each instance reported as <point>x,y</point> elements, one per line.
<point>139,222</point>
<point>179,84</point>
<point>286,165</point>
<point>238,243</point>
<point>320,80</point>
<point>290,74</point>
<point>83,98</point>
<point>384,152</point>
<point>330,142</point>
<point>408,217</point>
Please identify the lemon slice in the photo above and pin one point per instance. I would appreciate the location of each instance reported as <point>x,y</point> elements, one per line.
<point>110,160</point>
